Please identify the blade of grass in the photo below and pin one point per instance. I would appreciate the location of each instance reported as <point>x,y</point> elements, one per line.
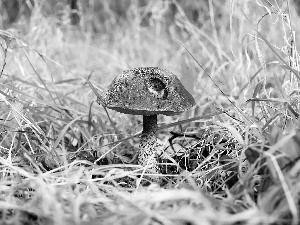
<point>272,48</point>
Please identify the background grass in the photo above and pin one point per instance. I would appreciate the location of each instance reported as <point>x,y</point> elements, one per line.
<point>61,158</point>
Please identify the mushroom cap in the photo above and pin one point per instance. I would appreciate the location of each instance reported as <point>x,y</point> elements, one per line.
<point>148,91</point>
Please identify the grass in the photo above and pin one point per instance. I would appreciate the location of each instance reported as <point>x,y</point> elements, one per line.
<point>232,159</point>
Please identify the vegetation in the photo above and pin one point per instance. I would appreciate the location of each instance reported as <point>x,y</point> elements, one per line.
<point>232,159</point>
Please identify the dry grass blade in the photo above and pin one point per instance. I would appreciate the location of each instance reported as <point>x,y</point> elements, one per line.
<point>63,132</point>
<point>273,49</point>
<point>289,197</point>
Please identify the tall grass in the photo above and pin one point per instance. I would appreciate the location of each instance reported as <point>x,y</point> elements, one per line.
<point>232,159</point>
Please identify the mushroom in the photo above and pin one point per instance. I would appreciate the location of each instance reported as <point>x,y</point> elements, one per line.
<point>148,91</point>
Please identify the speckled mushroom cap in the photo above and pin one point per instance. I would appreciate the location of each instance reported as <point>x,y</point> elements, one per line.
<point>148,91</point>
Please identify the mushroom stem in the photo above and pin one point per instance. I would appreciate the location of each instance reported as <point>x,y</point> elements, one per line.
<point>148,143</point>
